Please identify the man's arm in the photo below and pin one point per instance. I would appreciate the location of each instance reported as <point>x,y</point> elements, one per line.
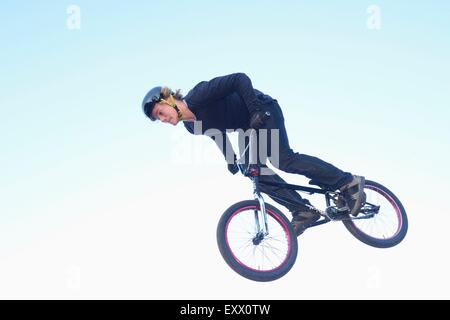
<point>220,87</point>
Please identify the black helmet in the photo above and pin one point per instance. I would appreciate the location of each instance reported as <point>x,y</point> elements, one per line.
<point>150,99</point>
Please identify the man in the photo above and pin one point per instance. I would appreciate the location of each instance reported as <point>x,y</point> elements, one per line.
<point>231,102</point>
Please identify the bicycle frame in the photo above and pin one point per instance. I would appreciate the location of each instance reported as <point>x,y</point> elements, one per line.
<point>327,193</point>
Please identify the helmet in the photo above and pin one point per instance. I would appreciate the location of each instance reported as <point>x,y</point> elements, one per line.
<point>153,97</point>
<point>150,99</point>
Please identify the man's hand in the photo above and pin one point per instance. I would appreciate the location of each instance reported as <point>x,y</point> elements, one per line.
<point>258,119</point>
<point>233,167</point>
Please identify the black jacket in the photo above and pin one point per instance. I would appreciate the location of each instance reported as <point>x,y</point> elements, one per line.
<point>224,103</point>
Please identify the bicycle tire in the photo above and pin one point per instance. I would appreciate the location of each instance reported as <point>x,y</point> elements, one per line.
<point>352,225</point>
<point>235,263</point>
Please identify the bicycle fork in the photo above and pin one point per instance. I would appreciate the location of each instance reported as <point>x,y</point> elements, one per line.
<point>261,230</point>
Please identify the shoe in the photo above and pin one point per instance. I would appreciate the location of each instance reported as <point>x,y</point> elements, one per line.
<point>303,218</point>
<point>354,194</point>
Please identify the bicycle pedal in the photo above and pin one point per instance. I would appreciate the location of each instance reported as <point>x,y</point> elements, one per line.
<point>336,213</point>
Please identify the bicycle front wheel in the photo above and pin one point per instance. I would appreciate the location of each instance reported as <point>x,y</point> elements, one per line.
<point>388,226</point>
<point>253,256</point>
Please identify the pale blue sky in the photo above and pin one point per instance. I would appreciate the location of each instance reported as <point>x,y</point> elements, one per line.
<point>75,142</point>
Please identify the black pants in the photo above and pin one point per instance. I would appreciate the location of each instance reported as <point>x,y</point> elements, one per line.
<point>290,161</point>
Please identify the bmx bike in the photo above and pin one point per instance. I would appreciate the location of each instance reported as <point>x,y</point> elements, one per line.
<point>258,241</point>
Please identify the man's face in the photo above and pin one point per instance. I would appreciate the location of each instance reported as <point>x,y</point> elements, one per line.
<point>165,113</point>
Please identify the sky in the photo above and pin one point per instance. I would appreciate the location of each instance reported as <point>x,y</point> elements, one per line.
<point>98,202</point>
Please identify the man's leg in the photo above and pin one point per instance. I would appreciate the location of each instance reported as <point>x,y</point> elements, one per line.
<point>294,162</point>
<point>352,187</point>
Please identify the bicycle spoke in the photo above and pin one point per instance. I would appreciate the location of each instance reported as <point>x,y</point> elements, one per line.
<point>275,239</point>
<point>273,265</point>
<point>274,253</point>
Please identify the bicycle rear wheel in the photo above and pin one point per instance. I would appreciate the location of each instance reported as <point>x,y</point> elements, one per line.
<point>253,256</point>
<point>388,226</point>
